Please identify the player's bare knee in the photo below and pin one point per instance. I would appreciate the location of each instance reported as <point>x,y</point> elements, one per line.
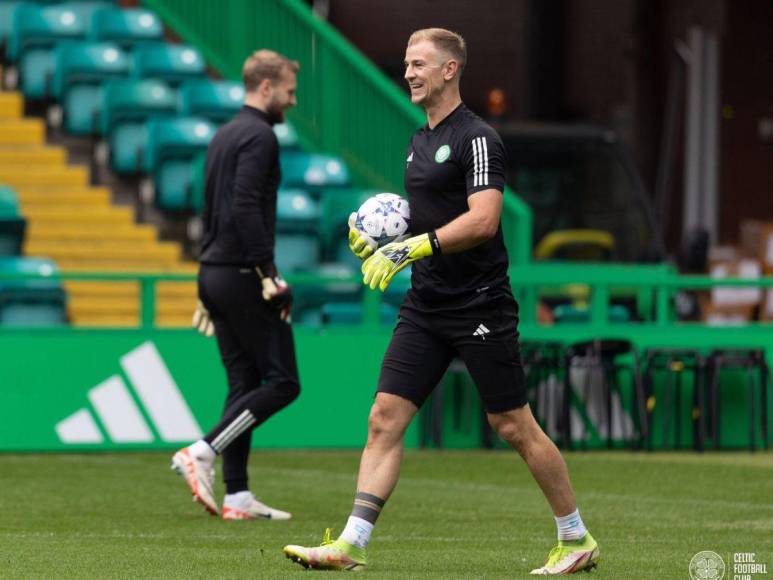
<point>384,422</point>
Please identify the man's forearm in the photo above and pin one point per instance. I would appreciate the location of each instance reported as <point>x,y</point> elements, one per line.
<point>466,231</point>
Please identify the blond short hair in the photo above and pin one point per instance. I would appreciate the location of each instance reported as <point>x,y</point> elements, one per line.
<point>265,64</point>
<point>445,40</point>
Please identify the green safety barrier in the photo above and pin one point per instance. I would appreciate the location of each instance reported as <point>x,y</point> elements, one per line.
<point>59,385</point>
<point>346,105</point>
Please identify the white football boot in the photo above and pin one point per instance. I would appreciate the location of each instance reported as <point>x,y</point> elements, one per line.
<point>244,506</point>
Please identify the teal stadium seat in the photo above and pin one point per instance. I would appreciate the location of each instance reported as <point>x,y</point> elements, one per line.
<point>287,136</point>
<point>37,300</point>
<point>35,33</point>
<point>217,101</point>
<point>127,106</point>
<point>173,63</point>
<point>297,247</point>
<point>173,146</point>
<point>12,225</point>
<point>85,9</point>
<point>6,24</point>
<point>336,206</point>
<point>81,68</point>
<point>126,27</point>
<point>313,171</point>
<point>309,300</point>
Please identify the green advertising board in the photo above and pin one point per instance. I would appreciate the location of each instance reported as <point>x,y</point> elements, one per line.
<point>124,389</point>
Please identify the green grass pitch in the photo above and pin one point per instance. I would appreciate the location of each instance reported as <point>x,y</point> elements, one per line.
<point>453,515</point>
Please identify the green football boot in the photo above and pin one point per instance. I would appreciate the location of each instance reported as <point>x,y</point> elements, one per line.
<point>331,555</point>
<point>569,557</point>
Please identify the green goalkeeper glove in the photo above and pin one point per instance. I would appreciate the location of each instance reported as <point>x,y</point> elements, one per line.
<point>380,268</point>
<point>360,244</point>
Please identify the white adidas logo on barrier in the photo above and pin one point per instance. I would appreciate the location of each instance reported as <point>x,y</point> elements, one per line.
<point>119,414</point>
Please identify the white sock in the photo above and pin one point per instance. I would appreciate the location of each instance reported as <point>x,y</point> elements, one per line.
<point>571,527</point>
<point>238,499</point>
<point>202,451</point>
<point>357,532</point>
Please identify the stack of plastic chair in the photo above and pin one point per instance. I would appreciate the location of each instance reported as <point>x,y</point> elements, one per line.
<point>173,145</point>
<point>81,69</point>
<point>128,105</point>
<point>12,225</point>
<point>217,101</point>
<point>35,34</point>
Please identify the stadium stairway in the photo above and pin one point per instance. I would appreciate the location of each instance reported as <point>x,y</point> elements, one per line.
<point>76,225</point>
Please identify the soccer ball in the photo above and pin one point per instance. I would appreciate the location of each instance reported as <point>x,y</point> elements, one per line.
<point>384,218</point>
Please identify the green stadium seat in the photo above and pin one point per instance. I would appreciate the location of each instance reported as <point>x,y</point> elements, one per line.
<point>6,25</point>
<point>297,246</point>
<point>126,27</point>
<point>217,101</point>
<point>38,300</point>
<point>80,71</point>
<point>336,205</point>
<point>173,63</point>
<point>85,9</point>
<point>287,136</point>
<point>35,33</point>
<point>309,299</point>
<point>127,105</point>
<point>313,171</point>
<point>12,225</point>
<point>173,145</point>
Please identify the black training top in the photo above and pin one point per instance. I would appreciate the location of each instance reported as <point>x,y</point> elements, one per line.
<point>242,179</point>
<point>460,156</point>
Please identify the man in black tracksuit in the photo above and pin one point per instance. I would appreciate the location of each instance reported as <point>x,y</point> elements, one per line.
<point>242,299</point>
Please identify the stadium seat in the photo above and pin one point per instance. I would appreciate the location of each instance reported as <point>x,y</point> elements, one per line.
<point>38,300</point>
<point>217,101</point>
<point>128,104</point>
<point>173,63</point>
<point>309,299</point>
<point>12,225</point>
<point>313,171</point>
<point>35,33</point>
<point>80,70</point>
<point>287,136</point>
<point>173,145</point>
<point>6,25</point>
<point>85,9</point>
<point>126,27</point>
<point>297,241</point>
<point>336,205</point>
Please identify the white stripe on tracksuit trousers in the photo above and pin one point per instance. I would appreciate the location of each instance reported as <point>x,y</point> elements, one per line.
<point>236,428</point>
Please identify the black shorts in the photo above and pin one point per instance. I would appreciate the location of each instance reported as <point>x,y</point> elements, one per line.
<point>483,333</point>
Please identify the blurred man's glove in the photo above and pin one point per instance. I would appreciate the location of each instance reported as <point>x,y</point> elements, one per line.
<point>380,268</point>
<point>361,245</point>
<point>202,321</point>
<point>278,294</point>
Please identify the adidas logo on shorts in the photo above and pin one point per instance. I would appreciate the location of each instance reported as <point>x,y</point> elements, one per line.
<point>481,331</point>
